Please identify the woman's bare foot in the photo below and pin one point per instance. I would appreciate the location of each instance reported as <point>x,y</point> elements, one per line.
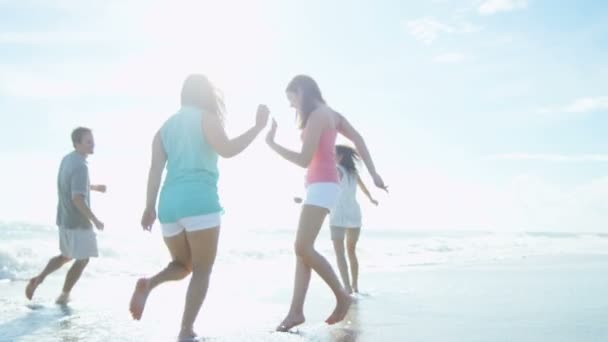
<point>343,303</point>
<point>63,298</point>
<point>31,287</point>
<point>291,321</point>
<point>138,300</point>
<point>187,336</point>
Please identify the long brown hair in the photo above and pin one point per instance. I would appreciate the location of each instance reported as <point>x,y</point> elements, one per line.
<point>309,93</point>
<point>197,91</point>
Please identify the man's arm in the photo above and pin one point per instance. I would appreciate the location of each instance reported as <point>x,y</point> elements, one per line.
<point>98,187</point>
<point>80,187</point>
<point>78,200</point>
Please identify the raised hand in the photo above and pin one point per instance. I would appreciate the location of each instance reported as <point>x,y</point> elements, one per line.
<point>261,118</point>
<point>272,132</point>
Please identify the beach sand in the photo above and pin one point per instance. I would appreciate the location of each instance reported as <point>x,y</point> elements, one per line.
<point>531,299</point>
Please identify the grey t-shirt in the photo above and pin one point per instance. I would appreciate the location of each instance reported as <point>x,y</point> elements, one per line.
<point>73,179</point>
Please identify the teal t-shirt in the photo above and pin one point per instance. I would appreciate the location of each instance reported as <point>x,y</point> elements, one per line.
<point>190,186</point>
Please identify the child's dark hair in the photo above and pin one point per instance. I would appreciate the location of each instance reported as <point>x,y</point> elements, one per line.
<point>349,158</point>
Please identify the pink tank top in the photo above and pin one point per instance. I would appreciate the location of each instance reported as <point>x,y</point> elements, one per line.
<point>322,167</point>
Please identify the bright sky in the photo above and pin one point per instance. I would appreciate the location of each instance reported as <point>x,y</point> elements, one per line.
<point>480,114</point>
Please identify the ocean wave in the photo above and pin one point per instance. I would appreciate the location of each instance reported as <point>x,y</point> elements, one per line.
<point>26,248</point>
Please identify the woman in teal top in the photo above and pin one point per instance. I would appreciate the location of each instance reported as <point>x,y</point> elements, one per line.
<point>188,144</point>
<point>190,186</point>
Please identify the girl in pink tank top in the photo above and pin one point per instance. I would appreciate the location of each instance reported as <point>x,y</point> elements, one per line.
<point>321,169</point>
<point>320,126</point>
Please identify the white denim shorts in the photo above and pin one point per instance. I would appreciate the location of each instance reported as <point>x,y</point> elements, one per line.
<point>191,224</point>
<point>324,195</point>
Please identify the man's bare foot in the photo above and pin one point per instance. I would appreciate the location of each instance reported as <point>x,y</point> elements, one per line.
<point>138,300</point>
<point>291,321</point>
<point>31,287</point>
<point>63,298</point>
<point>344,302</point>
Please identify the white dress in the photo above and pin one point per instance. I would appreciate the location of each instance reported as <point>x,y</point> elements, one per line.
<point>346,213</point>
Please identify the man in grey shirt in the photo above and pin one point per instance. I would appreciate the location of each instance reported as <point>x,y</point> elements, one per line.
<point>77,239</point>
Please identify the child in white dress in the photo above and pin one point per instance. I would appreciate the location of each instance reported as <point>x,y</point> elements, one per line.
<point>345,218</point>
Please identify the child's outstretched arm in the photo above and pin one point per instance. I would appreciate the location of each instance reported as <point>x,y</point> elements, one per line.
<point>365,191</point>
